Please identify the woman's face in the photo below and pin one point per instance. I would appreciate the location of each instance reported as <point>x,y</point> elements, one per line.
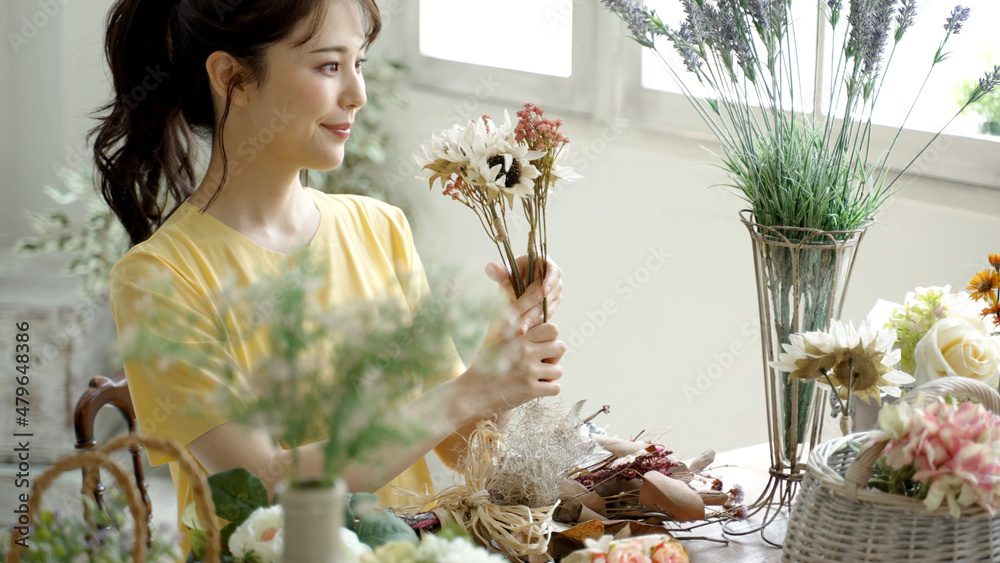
<point>302,113</point>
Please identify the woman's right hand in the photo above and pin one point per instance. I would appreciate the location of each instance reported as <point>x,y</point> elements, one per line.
<point>513,369</point>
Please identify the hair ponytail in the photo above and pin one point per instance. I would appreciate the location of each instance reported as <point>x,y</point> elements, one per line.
<point>145,143</point>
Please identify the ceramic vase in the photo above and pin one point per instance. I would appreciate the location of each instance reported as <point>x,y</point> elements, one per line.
<point>314,515</point>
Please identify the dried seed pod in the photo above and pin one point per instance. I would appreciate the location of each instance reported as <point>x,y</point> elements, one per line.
<point>671,496</point>
<point>714,498</point>
<point>620,448</point>
<point>572,494</point>
<point>702,461</point>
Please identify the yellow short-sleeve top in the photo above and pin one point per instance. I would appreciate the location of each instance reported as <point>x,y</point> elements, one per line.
<point>369,250</point>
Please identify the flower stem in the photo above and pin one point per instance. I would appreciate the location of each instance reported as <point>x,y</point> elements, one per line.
<point>504,239</point>
<point>829,382</point>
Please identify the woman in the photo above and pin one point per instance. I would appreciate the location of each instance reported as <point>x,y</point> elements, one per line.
<point>275,86</point>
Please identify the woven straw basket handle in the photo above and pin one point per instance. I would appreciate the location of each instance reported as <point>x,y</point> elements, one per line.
<point>863,466</point>
<point>100,459</point>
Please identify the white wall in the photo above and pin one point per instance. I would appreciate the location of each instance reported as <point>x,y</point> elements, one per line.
<point>644,193</point>
<point>51,80</point>
<point>5,111</point>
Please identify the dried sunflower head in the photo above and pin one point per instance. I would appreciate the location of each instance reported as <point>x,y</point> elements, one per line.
<point>849,359</point>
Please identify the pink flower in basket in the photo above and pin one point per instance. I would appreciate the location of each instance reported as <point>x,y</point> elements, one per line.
<point>953,448</point>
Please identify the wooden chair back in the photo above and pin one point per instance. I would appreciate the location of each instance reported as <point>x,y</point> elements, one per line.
<point>108,391</point>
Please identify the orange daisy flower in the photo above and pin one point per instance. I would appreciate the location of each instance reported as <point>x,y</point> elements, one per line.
<point>993,310</point>
<point>983,284</point>
<point>995,260</point>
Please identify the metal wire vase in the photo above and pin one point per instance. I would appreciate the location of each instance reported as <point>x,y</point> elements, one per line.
<point>802,277</point>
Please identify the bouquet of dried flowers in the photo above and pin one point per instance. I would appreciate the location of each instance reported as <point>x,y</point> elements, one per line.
<point>511,483</point>
<point>940,452</point>
<point>794,168</point>
<point>635,487</point>
<point>550,467</point>
<point>850,361</point>
<point>486,166</point>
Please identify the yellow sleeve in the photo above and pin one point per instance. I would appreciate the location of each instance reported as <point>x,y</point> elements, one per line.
<point>413,279</point>
<point>161,315</point>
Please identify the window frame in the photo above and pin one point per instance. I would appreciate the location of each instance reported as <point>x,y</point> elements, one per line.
<point>606,83</point>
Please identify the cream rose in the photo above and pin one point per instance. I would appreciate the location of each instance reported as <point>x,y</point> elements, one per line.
<point>956,347</point>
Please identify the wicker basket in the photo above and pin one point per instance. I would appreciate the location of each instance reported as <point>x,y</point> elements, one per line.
<point>836,517</point>
<point>100,460</point>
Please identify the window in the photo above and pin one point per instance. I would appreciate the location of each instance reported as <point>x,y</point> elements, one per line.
<point>527,50</point>
<point>576,57</point>
<point>963,152</point>
<point>496,34</point>
<point>973,51</point>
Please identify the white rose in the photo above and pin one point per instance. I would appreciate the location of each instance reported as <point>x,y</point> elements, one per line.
<point>960,304</point>
<point>262,533</point>
<point>956,347</point>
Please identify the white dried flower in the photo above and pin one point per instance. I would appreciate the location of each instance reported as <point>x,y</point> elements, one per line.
<point>826,357</point>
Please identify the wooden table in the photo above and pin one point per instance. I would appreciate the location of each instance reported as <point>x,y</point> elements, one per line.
<point>749,467</point>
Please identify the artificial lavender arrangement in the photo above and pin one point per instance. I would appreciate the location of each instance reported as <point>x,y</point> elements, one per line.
<point>805,162</point>
<point>808,169</point>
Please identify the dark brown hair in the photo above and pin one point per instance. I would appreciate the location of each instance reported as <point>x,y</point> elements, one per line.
<point>146,140</point>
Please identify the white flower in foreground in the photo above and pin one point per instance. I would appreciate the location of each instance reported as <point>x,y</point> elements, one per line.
<point>352,547</point>
<point>261,534</point>
<point>955,347</point>
<point>504,168</point>
<point>444,148</point>
<point>496,162</point>
<point>561,172</point>
<point>826,357</point>
<point>433,549</point>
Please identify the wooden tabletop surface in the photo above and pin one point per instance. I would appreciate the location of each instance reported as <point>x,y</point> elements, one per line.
<point>748,467</point>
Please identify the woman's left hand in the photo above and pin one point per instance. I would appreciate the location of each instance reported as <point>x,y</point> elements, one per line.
<point>528,308</point>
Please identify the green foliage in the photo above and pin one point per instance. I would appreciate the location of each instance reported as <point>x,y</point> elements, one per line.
<point>334,373</point>
<point>72,539</point>
<point>894,481</point>
<point>744,54</point>
<point>789,179</point>
<point>383,527</point>
<point>358,505</point>
<point>988,107</point>
<point>912,321</point>
<point>95,242</point>
<point>236,494</point>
